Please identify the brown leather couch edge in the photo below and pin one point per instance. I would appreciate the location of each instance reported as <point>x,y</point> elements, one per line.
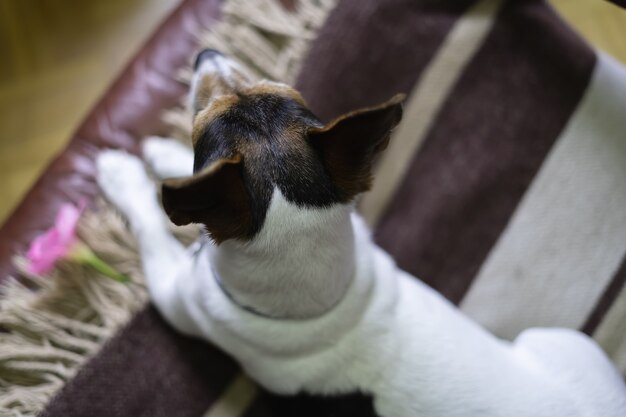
<point>129,110</point>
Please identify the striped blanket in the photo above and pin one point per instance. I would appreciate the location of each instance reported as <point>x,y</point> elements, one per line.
<point>504,186</point>
<point>503,189</point>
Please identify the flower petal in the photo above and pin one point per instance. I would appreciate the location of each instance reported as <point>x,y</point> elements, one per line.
<point>66,221</point>
<point>56,242</point>
<point>44,251</point>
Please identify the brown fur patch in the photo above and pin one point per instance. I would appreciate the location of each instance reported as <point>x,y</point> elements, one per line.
<point>210,86</point>
<point>266,88</point>
<point>206,115</point>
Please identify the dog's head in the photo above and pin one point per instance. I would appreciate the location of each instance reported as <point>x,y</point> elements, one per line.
<point>251,139</point>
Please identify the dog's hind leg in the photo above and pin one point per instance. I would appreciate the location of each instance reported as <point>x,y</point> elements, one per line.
<point>574,359</point>
<point>123,180</point>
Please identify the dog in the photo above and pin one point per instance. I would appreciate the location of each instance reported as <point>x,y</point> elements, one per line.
<point>290,283</point>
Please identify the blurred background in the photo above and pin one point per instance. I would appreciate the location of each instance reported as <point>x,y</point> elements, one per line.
<point>59,56</point>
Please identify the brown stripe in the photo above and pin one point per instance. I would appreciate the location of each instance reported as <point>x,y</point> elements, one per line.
<point>606,300</point>
<point>370,50</point>
<point>485,147</point>
<point>427,97</point>
<point>147,370</point>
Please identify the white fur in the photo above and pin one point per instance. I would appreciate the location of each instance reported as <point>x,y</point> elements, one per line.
<point>168,158</point>
<point>303,255</point>
<point>345,318</point>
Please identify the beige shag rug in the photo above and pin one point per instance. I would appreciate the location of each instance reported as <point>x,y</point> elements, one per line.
<point>50,326</point>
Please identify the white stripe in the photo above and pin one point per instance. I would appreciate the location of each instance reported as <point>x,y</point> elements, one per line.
<point>426,99</point>
<point>235,400</point>
<point>568,235</point>
<point>611,334</point>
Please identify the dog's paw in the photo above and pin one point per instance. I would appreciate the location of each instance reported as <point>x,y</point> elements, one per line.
<point>168,158</point>
<point>124,181</point>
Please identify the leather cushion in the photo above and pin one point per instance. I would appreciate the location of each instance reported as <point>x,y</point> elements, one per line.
<point>130,110</point>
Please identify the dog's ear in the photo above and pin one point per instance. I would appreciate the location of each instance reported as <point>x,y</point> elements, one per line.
<point>215,196</point>
<point>350,143</point>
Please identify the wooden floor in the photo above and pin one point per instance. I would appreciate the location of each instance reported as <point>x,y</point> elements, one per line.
<point>601,22</point>
<point>59,56</point>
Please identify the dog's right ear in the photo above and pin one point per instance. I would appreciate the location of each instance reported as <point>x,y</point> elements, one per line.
<point>215,196</point>
<point>349,144</point>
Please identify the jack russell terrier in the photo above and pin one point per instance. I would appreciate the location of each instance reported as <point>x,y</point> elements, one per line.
<point>293,287</point>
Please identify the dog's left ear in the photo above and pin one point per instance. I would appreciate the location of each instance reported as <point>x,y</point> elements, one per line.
<point>350,143</point>
<point>216,197</point>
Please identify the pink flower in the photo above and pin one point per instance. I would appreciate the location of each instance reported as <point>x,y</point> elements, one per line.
<point>57,242</point>
<point>60,242</point>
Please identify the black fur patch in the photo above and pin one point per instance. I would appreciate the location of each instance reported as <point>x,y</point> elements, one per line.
<point>303,405</point>
<point>269,131</point>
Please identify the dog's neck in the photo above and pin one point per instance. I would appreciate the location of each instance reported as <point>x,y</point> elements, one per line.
<point>298,266</point>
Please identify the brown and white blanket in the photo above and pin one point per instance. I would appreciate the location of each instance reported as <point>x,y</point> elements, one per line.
<point>503,189</point>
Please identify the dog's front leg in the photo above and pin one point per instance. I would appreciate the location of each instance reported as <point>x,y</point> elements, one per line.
<point>123,180</point>
<point>168,158</point>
